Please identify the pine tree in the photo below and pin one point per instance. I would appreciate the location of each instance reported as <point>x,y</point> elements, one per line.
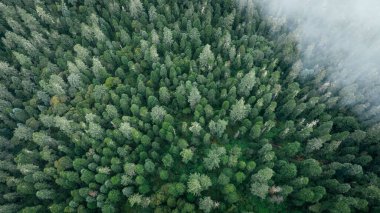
<point>168,37</point>
<point>246,84</point>
<point>187,155</point>
<point>135,8</point>
<point>194,97</point>
<point>239,111</point>
<point>217,128</point>
<point>195,128</point>
<point>206,204</point>
<point>206,58</point>
<point>126,130</point>
<point>213,158</point>
<point>198,183</point>
<point>158,113</point>
<point>164,95</point>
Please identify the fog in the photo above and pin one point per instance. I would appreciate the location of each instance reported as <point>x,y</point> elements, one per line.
<point>342,37</point>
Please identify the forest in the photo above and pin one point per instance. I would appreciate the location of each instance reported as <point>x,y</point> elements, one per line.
<point>172,106</point>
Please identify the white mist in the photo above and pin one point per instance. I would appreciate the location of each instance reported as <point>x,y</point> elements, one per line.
<point>342,36</point>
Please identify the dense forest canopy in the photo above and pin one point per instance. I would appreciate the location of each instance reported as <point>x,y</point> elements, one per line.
<point>171,106</point>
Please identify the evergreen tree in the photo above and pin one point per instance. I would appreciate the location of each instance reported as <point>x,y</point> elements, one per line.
<point>206,58</point>
<point>239,110</point>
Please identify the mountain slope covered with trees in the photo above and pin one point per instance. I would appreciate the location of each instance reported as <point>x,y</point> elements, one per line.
<point>170,106</point>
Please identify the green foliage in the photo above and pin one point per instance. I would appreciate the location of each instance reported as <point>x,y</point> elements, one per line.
<point>206,58</point>
<point>239,111</point>
<point>217,128</point>
<point>158,113</point>
<point>198,183</point>
<point>212,160</point>
<point>194,97</point>
<point>206,204</point>
<point>171,106</point>
<point>187,155</point>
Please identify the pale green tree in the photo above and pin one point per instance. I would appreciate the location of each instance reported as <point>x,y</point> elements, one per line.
<point>195,128</point>
<point>46,194</point>
<point>135,8</point>
<point>112,111</point>
<point>152,14</point>
<point>135,199</point>
<point>239,111</point>
<point>63,124</point>
<point>212,160</point>
<point>217,128</point>
<point>167,160</point>
<point>259,185</point>
<point>99,70</point>
<point>23,132</point>
<point>194,97</point>
<point>168,37</point>
<point>95,130</point>
<point>246,84</point>
<point>206,204</point>
<point>187,155</point>
<point>158,113</point>
<point>198,183</point>
<point>260,189</point>
<point>206,58</point>
<point>164,95</point>
<point>126,130</point>
<point>130,169</point>
<point>314,144</point>
<point>82,52</point>
<point>75,80</point>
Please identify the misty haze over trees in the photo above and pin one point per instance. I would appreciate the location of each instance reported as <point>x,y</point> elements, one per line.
<point>340,42</point>
<point>188,106</point>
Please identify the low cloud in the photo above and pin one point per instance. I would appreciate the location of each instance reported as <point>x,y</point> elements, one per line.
<point>343,37</point>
